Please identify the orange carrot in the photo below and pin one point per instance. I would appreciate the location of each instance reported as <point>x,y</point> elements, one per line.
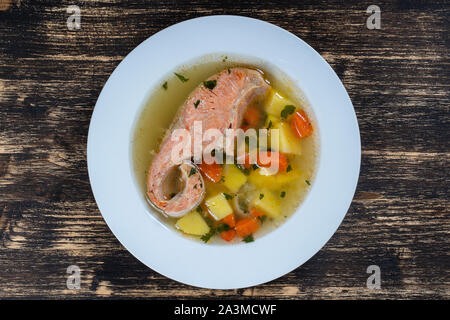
<point>252,116</point>
<point>229,220</point>
<point>211,171</point>
<point>228,235</point>
<point>255,213</point>
<point>246,226</point>
<point>300,124</point>
<point>279,157</point>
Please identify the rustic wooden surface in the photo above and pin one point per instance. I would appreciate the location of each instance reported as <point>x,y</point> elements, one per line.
<point>397,77</point>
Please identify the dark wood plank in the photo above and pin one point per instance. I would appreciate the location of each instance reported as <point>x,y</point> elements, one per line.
<point>398,78</point>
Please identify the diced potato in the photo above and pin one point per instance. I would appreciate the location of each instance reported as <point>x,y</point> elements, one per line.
<point>268,203</point>
<point>288,142</point>
<point>193,223</point>
<point>218,206</point>
<point>276,103</point>
<point>273,182</point>
<point>234,178</point>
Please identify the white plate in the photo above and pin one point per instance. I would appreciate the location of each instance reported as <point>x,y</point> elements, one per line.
<point>222,266</point>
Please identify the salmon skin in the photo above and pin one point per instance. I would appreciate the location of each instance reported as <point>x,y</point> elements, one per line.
<point>221,107</point>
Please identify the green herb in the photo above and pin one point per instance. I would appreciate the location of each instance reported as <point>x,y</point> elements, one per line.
<point>181,77</point>
<point>193,171</point>
<point>164,85</point>
<point>248,238</point>
<point>207,236</point>
<point>227,196</point>
<point>255,166</point>
<point>223,227</point>
<point>222,179</point>
<point>243,205</point>
<point>210,84</point>
<point>283,194</point>
<point>289,168</point>
<point>307,182</point>
<point>289,109</point>
<point>261,195</point>
<point>270,125</point>
<point>229,71</point>
<point>199,209</point>
<point>196,103</point>
<point>195,187</point>
<point>224,59</point>
<point>243,169</point>
<point>262,218</point>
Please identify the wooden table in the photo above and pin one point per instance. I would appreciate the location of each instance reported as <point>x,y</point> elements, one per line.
<point>397,77</point>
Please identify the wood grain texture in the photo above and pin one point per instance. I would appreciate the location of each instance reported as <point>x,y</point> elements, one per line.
<point>398,79</point>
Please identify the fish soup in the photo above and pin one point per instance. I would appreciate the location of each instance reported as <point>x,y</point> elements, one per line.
<point>227,193</point>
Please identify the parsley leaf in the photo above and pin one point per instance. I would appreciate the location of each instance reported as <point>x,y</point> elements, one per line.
<point>248,238</point>
<point>261,195</point>
<point>223,227</point>
<point>196,103</point>
<point>283,194</point>
<point>181,77</point>
<point>210,84</point>
<point>164,85</point>
<point>289,109</point>
<point>207,236</point>
<point>307,182</point>
<point>193,171</point>
<point>289,168</point>
<point>227,196</point>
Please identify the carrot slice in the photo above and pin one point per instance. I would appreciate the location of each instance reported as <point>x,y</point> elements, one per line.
<point>246,226</point>
<point>282,160</point>
<point>211,171</point>
<point>229,220</point>
<point>300,124</point>
<point>228,235</point>
<point>252,116</point>
<point>255,213</point>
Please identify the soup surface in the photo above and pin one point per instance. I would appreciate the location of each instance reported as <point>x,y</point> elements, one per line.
<point>244,199</point>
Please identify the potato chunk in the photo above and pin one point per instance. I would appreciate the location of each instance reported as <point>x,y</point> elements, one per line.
<point>288,142</point>
<point>273,182</point>
<point>218,206</point>
<point>192,223</point>
<point>276,104</point>
<point>268,203</point>
<point>234,178</point>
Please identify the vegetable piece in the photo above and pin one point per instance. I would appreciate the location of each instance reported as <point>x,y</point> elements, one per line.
<point>288,142</point>
<point>192,223</point>
<point>230,220</point>
<point>278,157</point>
<point>234,178</point>
<point>300,124</point>
<point>228,235</point>
<point>248,238</point>
<point>276,103</point>
<point>218,206</point>
<point>210,84</point>
<point>269,204</point>
<point>246,226</point>
<point>211,171</point>
<point>272,182</point>
<point>287,111</point>
<point>252,116</point>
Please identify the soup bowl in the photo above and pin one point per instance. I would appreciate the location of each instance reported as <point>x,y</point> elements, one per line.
<point>141,231</point>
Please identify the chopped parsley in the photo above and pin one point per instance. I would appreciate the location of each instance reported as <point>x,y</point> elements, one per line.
<point>193,171</point>
<point>227,196</point>
<point>229,71</point>
<point>248,238</point>
<point>207,236</point>
<point>196,103</point>
<point>181,77</point>
<point>224,59</point>
<point>255,166</point>
<point>243,169</point>
<point>289,109</point>
<point>270,125</point>
<point>289,168</point>
<point>164,85</point>
<point>223,227</point>
<point>210,84</point>
<point>283,194</point>
<point>199,209</point>
<point>262,218</point>
<point>261,195</point>
<point>307,182</point>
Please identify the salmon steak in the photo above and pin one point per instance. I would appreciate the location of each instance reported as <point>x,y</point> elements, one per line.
<point>218,103</point>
